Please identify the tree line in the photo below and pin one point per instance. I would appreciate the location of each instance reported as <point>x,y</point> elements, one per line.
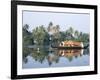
<point>42,35</point>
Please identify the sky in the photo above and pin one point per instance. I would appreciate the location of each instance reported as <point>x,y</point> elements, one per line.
<point>79,21</point>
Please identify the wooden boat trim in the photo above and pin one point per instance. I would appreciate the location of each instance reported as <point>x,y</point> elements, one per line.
<point>59,47</point>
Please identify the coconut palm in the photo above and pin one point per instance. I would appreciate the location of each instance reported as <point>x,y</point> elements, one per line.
<point>76,34</point>
<point>26,26</point>
<point>71,30</point>
<point>39,34</point>
<point>49,26</point>
<point>57,28</point>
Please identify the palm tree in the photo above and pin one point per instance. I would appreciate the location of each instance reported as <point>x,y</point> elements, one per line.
<point>26,27</point>
<point>49,26</point>
<point>80,36</point>
<point>57,28</point>
<point>39,34</point>
<point>76,34</point>
<point>69,33</point>
<point>71,30</point>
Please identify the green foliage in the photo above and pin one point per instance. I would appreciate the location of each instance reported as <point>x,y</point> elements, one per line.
<point>26,27</point>
<point>71,30</point>
<point>27,36</point>
<point>75,35</point>
<point>41,35</point>
<point>49,26</point>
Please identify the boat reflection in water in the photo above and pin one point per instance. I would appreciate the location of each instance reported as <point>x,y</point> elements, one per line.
<point>56,58</point>
<point>71,52</point>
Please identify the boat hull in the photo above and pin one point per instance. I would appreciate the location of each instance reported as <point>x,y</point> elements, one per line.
<point>70,47</point>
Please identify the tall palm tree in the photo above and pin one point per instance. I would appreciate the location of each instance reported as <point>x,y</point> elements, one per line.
<point>70,33</point>
<point>26,27</point>
<point>49,26</point>
<point>80,35</point>
<point>71,30</point>
<point>76,34</point>
<point>57,28</point>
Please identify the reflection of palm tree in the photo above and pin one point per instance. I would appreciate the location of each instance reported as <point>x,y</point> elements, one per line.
<point>39,56</point>
<point>52,58</point>
<point>57,60</point>
<point>86,52</point>
<point>76,56</point>
<point>49,60</point>
<point>26,51</point>
<point>70,58</point>
<point>25,60</point>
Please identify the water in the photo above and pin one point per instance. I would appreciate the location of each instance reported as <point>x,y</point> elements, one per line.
<point>44,57</point>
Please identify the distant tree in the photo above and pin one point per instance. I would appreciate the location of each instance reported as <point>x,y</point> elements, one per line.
<point>70,33</point>
<point>71,30</point>
<point>57,27</point>
<point>40,35</point>
<point>27,36</point>
<point>80,36</point>
<point>81,33</point>
<point>76,34</point>
<point>49,26</point>
<point>85,37</point>
<point>26,27</point>
<point>63,36</point>
<point>56,35</point>
<point>67,33</point>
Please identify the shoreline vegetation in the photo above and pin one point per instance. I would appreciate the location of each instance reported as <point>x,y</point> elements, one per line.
<point>51,35</point>
<point>37,43</point>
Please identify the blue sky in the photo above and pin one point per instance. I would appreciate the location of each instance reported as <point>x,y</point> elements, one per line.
<point>80,22</point>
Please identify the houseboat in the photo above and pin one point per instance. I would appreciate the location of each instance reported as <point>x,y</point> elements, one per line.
<point>70,45</point>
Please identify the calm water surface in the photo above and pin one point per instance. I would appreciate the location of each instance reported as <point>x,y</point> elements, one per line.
<point>47,57</point>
